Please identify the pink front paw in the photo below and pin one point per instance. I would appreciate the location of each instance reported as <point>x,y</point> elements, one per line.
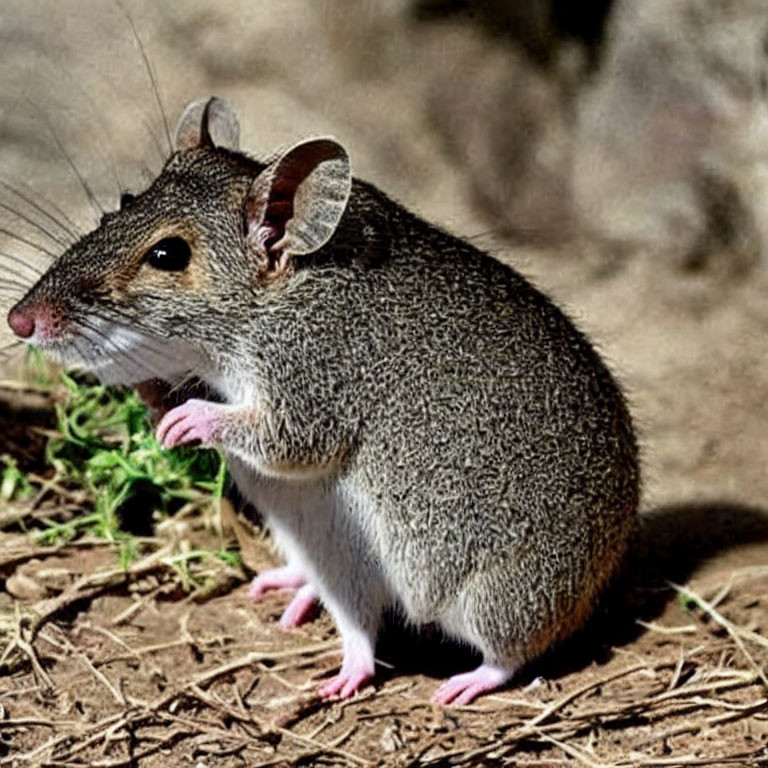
<point>193,420</point>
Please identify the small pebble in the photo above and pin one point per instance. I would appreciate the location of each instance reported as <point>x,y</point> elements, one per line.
<point>23,587</point>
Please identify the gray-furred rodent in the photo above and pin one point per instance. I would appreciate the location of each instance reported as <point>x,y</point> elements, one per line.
<point>421,428</point>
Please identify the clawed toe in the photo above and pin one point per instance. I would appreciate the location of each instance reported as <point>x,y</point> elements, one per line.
<point>463,689</point>
<point>343,685</point>
<point>191,421</point>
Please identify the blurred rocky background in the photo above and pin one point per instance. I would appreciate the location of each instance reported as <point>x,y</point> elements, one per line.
<point>616,151</point>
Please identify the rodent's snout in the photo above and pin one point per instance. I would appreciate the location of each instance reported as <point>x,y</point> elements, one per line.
<point>45,321</point>
<point>22,322</point>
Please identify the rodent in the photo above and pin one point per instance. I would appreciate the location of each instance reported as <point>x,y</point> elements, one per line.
<point>422,428</point>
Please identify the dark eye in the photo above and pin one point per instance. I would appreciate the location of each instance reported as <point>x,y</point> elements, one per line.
<point>126,199</point>
<point>171,254</point>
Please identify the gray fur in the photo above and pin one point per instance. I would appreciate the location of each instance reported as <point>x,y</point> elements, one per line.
<point>422,427</point>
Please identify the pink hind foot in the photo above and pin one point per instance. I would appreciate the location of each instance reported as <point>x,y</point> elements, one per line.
<point>302,605</point>
<point>356,667</point>
<point>463,689</point>
<point>275,578</point>
<point>300,609</point>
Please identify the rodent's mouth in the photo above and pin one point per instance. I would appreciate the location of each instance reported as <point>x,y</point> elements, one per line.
<point>59,350</point>
<point>77,353</point>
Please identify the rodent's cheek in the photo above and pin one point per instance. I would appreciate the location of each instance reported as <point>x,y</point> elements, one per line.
<point>195,278</point>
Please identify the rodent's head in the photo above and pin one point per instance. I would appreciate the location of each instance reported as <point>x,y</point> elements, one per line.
<point>213,231</point>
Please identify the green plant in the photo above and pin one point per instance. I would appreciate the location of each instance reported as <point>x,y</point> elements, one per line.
<point>104,444</point>
<point>14,484</point>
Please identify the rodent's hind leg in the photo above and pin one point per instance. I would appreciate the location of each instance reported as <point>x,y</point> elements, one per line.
<point>304,602</point>
<point>357,614</point>
<point>357,665</point>
<point>465,688</point>
<point>286,577</point>
<point>301,608</point>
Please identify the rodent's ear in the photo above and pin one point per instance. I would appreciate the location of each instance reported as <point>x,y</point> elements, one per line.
<point>208,123</point>
<point>295,204</point>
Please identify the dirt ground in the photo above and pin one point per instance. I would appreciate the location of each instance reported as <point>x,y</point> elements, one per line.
<point>133,672</point>
<point>128,670</point>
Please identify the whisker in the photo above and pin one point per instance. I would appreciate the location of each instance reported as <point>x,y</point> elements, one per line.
<point>155,141</point>
<point>92,356</point>
<point>31,243</point>
<point>63,150</point>
<point>161,354</point>
<point>150,73</point>
<point>182,383</point>
<point>7,283</point>
<point>145,354</point>
<point>16,260</point>
<point>87,354</point>
<point>132,324</point>
<point>84,346</point>
<point>32,222</point>
<point>136,363</point>
<point>65,223</point>
<point>107,160</point>
<point>81,354</point>
<point>8,349</point>
<point>484,233</point>
<point>158,348</point>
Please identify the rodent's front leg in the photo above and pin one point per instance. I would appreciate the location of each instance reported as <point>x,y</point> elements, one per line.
<point>246,432</point>
<point>161,396</point>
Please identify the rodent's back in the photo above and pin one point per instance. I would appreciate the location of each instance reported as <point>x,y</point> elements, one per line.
<point>492,428</point>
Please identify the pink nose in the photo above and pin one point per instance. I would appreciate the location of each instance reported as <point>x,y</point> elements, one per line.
<point>22,323</point>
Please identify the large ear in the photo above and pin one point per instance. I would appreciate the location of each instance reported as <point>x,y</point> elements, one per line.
<point>208,123</point>
<point>295,204</point>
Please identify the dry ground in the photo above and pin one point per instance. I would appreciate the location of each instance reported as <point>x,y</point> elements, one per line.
<point>130,670</point>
